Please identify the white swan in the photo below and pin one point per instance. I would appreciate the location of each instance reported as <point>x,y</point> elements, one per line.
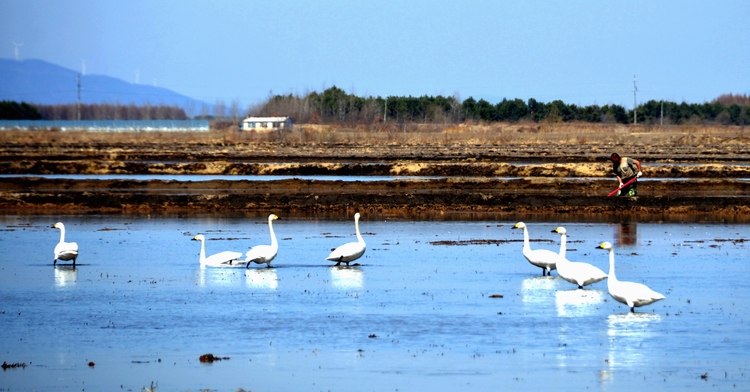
<point>629,293</point>
<point>582,274</point>
<point>263,254</point>
<point>223,259</point>
<point>542,258</point>
<point>350,251</point>
<point>64,250</point>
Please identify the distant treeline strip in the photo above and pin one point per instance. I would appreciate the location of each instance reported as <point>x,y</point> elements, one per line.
<point>10,110</point>
<point>334,105</point>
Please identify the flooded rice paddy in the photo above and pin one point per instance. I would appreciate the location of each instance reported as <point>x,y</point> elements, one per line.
<point>434,305</point>
<point>343,178</point>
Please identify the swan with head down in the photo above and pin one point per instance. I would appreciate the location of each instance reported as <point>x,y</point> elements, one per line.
<point>221,259</point>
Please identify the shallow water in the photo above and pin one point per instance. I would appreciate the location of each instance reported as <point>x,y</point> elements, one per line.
<point>223,177</point>
<point>139,306</point>
<point>214,177</point>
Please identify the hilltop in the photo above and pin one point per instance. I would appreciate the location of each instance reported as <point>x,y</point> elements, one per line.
<point>41,82</point>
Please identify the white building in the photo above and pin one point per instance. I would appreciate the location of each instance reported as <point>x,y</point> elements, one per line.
<point>266,124</point>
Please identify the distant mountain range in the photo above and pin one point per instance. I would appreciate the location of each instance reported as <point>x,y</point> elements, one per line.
<point>40,82</point>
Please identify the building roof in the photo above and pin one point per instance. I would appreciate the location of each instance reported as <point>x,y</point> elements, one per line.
<point>265,119</point>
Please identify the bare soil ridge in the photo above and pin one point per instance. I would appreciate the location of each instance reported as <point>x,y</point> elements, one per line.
<point>506,169</point>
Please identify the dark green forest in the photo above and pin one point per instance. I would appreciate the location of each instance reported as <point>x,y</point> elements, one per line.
<point>334,105</point>
<point>11,110</point>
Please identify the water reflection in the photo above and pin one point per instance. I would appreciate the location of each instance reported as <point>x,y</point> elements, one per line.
<point>217,276</point>
<point>343,277</point>
<point>261,278</point>
<point>537,289</point>
<point>627,233</point>
<point>577,302</point>
<point>605,379</point>
<point>627,332</point>
<point>65,275</point>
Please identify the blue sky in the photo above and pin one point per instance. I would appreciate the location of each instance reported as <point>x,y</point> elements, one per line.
<point>581,52</point>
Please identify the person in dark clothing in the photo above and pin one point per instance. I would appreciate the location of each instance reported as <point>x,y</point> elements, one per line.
<point>625,169</point>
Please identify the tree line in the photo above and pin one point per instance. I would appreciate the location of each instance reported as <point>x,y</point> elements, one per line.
<point>334,105</point>
<point>10,110</point>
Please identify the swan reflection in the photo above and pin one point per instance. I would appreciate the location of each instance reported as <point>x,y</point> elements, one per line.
<point>626,333</point>
<point>537,289</point>
<point>262,278</point>
<point>217,276</point>
<point>577,302</point>
<point>65,275</point>
<point>343,277</point>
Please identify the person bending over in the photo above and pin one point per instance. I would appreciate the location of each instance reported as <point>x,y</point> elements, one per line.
<point>625,169</point>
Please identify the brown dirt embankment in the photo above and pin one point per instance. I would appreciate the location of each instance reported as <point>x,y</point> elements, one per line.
<point>508,168</point>
<point>541,195</point>
<point>397,168</point>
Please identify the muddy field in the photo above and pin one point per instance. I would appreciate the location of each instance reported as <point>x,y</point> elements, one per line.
<point>508,170</point>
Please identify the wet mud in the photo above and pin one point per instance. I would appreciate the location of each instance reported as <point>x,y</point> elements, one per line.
<point>549,195</point>
<point>516,178</point>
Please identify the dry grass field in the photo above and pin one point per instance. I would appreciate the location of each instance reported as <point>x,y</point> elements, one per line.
<point>414,135</point>
<point>527,141</point>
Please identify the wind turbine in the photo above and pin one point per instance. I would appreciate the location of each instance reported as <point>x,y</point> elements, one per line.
<point>16,46</point>
<point>83,67</point>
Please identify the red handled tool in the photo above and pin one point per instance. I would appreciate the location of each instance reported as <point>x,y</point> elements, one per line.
<point>632,180</point>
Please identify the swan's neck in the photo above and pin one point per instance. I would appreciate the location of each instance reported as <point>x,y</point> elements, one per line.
<point>611,276</point>
<point>203,251</point>
<point>359,236</point>
<point>274,243</point>
<point>62,234</point>
<point>526,245</point>
<point>563,246</point>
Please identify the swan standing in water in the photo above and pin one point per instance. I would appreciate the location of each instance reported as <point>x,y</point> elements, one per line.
<point>542,258</point>
<point>630,293</point>
<point>582,274</point>
<point>263,254</point>
<point>223,259</point>
<point>64,250</point>
<point>350,251</point>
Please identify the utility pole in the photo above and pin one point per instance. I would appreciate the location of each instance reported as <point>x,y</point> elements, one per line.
<point>78,104</point>
<point>661,118</point>
<point>385,111</point>
<point>635,116</point>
